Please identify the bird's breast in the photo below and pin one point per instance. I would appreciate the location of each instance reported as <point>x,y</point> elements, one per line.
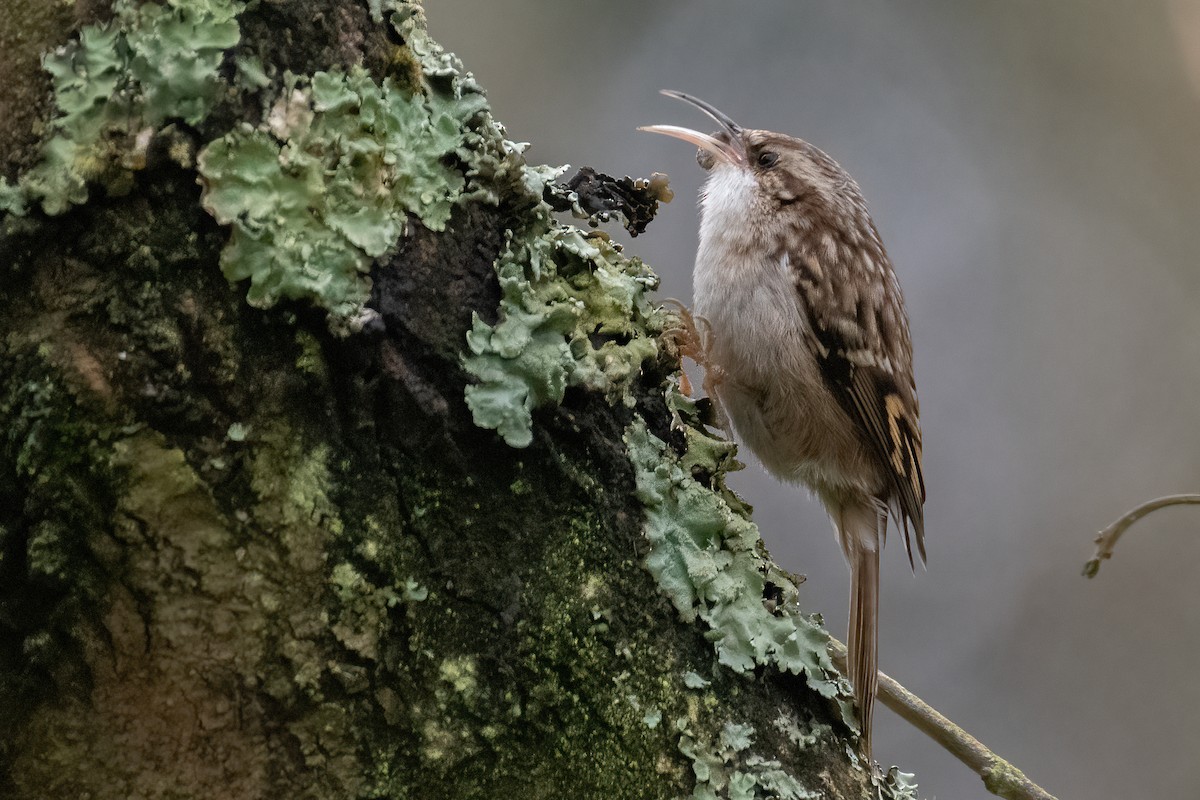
<point>770,383</point>
<point>745,293</point>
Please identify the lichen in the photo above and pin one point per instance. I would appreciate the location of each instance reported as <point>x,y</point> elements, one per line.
<point>361,622</point>
<point>898,785</point>
<point>291,480</point>
<point>329,180</point>
<point>726,767</point>
<point>801,734</point>
<point>175,52</point>
<point>707,559</point>
<point>114,86</point>
<point>573,312</point>
<point>460,674</point>
<point>322,187</point>
<point>325,184</point>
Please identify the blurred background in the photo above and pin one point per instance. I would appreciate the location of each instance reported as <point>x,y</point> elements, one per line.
<point>1034,169</point>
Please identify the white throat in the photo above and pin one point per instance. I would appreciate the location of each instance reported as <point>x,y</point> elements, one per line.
<point>727,203</point>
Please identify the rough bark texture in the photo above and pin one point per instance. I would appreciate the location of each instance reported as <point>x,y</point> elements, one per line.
<point>241,556</point>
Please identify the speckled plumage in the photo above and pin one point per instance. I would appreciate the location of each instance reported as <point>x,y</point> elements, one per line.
<point>810,339</point>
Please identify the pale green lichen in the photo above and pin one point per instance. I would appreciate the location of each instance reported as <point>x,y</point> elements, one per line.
<point>327,183</point>
<point>737,736</point>
<point>12,199</point>
<point>317,192</point>
<point>725,768</point>
<point>323,187</point>
<point>175,54</point>
<point>460,673</point>
<point>707,559</point>
<point>118,83</point>
<point>574,311</point>
<point>801,734</point>
<point>901,785</point>
<point>706,556</point>
<point>361,620</point>
<point>413,592</point>
<point>493,165</point>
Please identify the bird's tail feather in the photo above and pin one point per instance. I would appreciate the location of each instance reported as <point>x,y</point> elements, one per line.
<point>861,529</point>
<point>863,644</point>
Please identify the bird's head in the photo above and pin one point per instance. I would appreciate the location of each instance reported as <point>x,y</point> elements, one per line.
<point>781,171</point>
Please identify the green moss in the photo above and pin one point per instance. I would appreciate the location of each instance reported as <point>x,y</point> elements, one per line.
<point>292,482</point>
<point>56,495</point>
<point>118,83</point>
<point>528,684</point>
<point>460,673</point>
<point>311,359</point>
<point>361,622</point>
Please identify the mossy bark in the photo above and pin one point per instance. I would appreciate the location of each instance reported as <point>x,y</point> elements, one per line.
<point>243,557</point>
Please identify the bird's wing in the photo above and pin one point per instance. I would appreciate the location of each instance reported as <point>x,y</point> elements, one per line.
<point>861,342</point>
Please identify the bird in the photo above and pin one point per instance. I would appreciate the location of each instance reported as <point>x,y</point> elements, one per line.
<point>807,333</point>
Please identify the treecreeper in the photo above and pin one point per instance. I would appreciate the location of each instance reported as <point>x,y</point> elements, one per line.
<point>807,348</point>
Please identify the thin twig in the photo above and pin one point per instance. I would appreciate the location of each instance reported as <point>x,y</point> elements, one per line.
<point>999,777</point>
<point>1107,539</point>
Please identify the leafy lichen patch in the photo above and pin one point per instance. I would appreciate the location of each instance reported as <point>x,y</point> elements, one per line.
<point>725,767</point>
<point>706,558</point>
<point>325,185</point>
<point>574,311</point>
<point>899,785</point>
<point>115,86</point>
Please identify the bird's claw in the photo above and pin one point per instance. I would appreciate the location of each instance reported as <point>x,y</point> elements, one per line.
<point>692,338</point>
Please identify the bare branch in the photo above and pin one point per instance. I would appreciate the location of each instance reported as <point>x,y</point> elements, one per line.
<point>999,776</point>
<point>1107,539</point>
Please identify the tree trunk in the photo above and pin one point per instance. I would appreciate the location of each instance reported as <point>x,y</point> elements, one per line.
<point>334,466</point>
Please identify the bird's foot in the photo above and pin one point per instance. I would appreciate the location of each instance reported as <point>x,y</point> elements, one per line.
<point>692,339</point>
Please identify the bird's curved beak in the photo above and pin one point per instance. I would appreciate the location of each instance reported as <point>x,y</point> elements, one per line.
<point>729,151</point>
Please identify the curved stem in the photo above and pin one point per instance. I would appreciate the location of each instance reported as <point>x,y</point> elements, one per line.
<point>1108,537</point>
<point>999,776</point>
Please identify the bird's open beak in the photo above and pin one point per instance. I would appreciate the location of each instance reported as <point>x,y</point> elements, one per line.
<point>729,151</point>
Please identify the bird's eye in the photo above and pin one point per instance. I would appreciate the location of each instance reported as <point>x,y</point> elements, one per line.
<point>767,158</point>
